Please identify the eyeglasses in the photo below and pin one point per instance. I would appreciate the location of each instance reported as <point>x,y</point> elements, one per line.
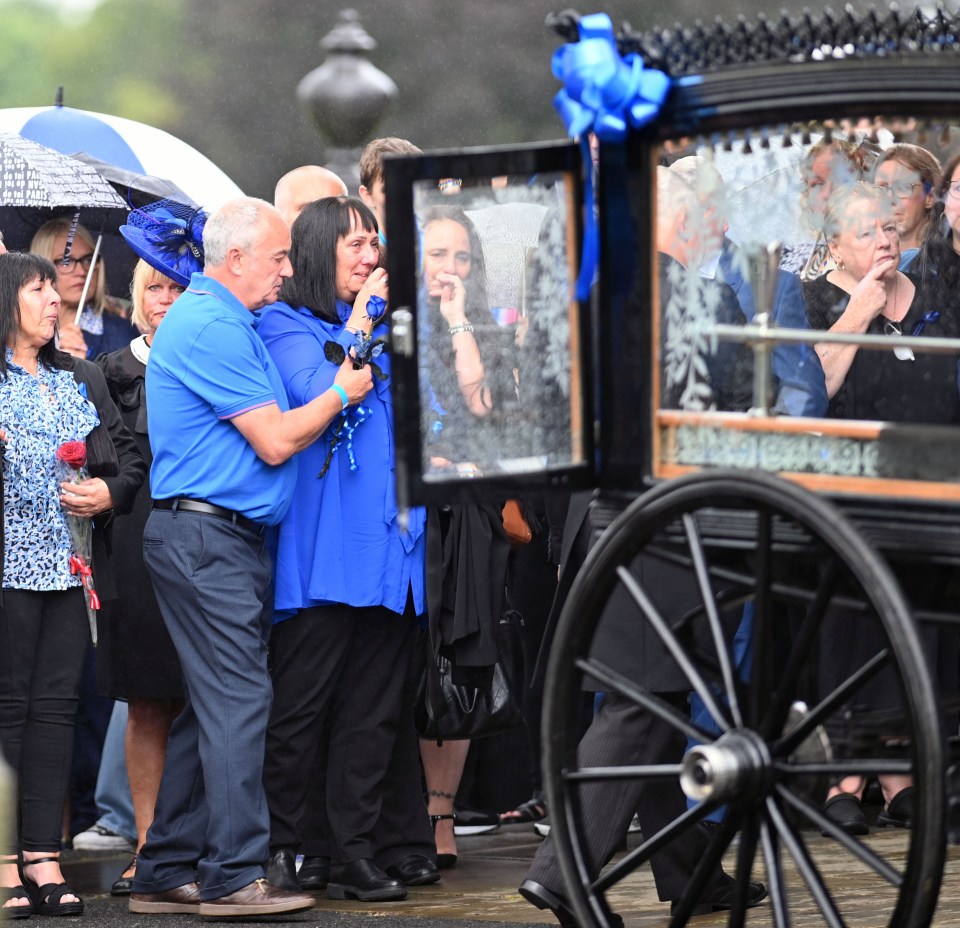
<point>903,191</point>
<point>68,263</point>
<point>901,353</point>
<point>954,189</point>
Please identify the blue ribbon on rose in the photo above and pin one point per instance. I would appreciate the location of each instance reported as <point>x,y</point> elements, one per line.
<point>607,94</point>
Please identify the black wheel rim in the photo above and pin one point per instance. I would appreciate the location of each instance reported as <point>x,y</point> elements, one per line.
<point>774,827</point>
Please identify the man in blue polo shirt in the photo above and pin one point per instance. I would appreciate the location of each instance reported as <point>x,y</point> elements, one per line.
<point>223,438</point>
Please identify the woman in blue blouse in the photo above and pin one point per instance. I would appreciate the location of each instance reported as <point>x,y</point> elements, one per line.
<point>349,580</point>
<point>47,398</point>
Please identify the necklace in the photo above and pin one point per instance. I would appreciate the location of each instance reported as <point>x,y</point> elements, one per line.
<point>890,311</point>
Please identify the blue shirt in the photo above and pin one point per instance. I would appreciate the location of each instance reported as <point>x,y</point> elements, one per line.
<point>104,332</point>
<point>39,414</point>
<point>207,366</point>
<point>341,542</point>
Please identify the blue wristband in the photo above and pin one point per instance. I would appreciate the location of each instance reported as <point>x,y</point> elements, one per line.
<point>344,399</point>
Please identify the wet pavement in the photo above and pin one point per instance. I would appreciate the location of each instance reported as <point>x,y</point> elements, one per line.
<point>482,888</point>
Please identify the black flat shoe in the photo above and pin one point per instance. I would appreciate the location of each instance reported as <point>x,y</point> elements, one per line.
<point>363,880</point>
<point>899,811</point>
<point>123,886</point>
<point>719,898</point>
<point>444,861</point>
<point>15,911</point>
<point>845,810</point>
<point>282,870</point>
<point>47,898</point>
<point>414,870</point>
<point>314,873</point>
<point>543,898</point>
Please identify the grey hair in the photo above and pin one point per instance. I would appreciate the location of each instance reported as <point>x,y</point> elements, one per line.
<point>836,215</point>
<point>235,225</point>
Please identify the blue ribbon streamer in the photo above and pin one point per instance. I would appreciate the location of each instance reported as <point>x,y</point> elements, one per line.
<point>606,94</point>
<point>932,316</point>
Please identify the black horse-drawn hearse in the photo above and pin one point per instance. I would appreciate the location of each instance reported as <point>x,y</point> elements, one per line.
<point>758,382</point>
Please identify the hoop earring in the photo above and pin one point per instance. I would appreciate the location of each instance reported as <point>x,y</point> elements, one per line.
<point>840,265</point>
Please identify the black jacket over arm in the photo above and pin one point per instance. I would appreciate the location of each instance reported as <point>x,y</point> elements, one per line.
<point>113,456</point>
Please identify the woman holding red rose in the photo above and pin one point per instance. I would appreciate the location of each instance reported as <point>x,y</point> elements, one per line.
<point>47,398</point>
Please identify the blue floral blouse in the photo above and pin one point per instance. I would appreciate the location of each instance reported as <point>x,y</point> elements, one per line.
<point>39,414</point>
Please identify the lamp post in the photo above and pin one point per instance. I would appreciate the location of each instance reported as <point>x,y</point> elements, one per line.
<point>347,95</point>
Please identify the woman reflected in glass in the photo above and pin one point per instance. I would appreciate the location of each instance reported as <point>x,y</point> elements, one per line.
<point>910,174</point>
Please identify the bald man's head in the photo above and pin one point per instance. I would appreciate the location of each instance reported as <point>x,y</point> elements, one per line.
<point>304,185</point>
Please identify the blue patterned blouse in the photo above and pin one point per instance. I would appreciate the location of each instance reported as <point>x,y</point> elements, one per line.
<point>39,414</point>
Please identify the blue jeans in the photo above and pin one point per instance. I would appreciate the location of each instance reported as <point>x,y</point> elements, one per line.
<point>114,802</point>
<point>212,581</point>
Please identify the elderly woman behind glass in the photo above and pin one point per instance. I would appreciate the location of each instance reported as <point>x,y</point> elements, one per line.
<point>910,174</point>
<point>99,330</point>
<point>866,293</point>
<point>47,398</point>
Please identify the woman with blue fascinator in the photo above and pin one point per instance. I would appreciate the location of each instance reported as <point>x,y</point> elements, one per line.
<point>136,660</point>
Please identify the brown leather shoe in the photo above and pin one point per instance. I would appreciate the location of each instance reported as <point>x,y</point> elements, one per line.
<point>179,900</point>
<point>258,898</point>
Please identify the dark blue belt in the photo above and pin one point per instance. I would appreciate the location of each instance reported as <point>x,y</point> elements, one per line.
<point>208,509</point>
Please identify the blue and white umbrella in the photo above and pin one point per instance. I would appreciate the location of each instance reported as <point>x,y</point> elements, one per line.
<point>132,146</point>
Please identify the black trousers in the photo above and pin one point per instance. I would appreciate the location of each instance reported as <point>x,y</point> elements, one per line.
<point>622,733</point>
<point>43,640</point>
<point>343,707</point>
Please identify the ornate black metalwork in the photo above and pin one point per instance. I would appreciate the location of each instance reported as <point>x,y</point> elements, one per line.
<point>808,37</point>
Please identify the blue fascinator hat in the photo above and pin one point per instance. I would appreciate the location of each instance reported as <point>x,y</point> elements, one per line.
<point>169,236</point>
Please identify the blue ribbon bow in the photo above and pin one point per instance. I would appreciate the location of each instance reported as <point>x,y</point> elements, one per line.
<point>606,94</point>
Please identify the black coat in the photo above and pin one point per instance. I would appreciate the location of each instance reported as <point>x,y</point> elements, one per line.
<point>113,456</point>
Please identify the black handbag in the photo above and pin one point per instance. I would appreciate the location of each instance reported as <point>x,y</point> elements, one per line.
<point>449,711</point>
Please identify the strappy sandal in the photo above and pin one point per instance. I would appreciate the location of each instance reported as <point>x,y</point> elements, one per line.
<point>47,898</point>
<point>123,885</point>
<point>15,911</point>
<point>444,861</point>
<point>533,810</point>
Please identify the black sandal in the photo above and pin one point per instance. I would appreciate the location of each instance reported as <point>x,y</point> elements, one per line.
<point>533,810</point>
<point>123,885</point>
<point>444,861</point>
<point>15,911</point>
<point>47,898</point>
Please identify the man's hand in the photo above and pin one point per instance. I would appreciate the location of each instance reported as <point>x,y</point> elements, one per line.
<point>85,499</point>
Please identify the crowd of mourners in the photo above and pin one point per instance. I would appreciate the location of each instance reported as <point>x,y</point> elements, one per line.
<point>258,600</point>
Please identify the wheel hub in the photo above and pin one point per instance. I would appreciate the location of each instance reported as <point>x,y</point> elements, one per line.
<point>737,762</point>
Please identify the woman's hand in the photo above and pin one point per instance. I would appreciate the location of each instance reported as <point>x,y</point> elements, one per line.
<point>85,499</point>
<point>376,285</point>
<point>357,383</point>
<point>453,299</point>
<point>869,296</point>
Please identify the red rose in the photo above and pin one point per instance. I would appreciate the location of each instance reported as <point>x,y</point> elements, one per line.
<point>73,453</point>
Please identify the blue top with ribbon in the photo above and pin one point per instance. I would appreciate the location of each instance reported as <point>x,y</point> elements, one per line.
<point>341,541</point>
<point>606,94</point>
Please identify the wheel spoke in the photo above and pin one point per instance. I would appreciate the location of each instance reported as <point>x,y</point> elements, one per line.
<point>847,766</point>
<point>859,850</point>
<point>761,635</point>
<point>643,852</point>
<point>808,870</point>
<point>669,640</point>
<point>713,616</point>
<point>786,682</point>
<point>598,774</point>
<point>745,855</point>
<point>642,697</point>
<point>825,707</point>
<point>778,895</point>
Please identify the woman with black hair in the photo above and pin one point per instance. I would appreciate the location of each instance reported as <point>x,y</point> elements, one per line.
<point>349,579</point>
<point>47,400</point>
